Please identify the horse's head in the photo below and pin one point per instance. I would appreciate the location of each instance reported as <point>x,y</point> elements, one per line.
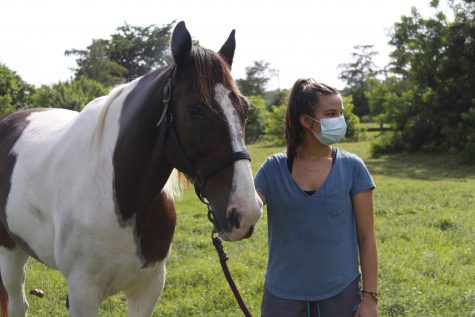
<point>208,118</point>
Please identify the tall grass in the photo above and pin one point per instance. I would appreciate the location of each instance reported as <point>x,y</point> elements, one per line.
<point>425,224</point>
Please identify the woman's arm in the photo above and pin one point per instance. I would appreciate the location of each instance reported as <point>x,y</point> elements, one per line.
<point>363,206</point>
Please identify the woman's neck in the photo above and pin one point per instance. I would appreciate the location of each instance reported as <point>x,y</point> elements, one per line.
<point>312,149</point>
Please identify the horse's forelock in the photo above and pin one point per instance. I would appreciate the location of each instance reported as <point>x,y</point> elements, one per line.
<point>211,69</point>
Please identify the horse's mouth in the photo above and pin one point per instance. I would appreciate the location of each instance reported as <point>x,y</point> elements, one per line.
<point>234,236</point>
<point>249,233</point>
<point>237,230</point>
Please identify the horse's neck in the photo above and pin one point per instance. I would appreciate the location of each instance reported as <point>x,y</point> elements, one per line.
<point>141,168</point>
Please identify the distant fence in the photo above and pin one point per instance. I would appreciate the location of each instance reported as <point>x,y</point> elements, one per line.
<point>379,129</point>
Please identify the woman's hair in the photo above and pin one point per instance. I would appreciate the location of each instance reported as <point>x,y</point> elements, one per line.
<point>303,99</point>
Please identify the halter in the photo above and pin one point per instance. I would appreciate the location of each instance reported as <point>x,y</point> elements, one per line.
<point>184,164</point>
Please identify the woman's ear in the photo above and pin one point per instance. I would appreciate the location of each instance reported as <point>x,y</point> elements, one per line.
<point>305,121</point>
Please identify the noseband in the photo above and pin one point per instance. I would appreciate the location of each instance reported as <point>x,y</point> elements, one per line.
<point>184,164</point>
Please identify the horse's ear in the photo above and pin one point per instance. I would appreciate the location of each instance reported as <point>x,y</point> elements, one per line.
<point>181,43</point>
<point>227,50</point>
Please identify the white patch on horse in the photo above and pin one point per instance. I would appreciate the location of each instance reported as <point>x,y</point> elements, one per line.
<point>74,208</point>
<point>243,197</point>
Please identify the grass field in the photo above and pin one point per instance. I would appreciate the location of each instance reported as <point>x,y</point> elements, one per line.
<point>425,223</point>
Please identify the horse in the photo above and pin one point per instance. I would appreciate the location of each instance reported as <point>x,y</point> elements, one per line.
<point>92,193</point>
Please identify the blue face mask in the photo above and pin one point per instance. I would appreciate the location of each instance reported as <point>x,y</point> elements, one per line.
<point>332,130</point>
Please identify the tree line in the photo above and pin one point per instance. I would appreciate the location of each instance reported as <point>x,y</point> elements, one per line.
<point>426,94</point>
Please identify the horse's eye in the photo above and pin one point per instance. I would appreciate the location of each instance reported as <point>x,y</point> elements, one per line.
<point>196,111</point>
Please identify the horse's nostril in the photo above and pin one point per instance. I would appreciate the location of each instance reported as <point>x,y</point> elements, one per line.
<point>234,218</point>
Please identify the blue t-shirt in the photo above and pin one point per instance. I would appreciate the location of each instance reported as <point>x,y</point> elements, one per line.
<point>313,251</point>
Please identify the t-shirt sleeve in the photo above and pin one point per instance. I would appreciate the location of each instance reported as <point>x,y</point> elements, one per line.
<point>362,179</point>
<point>261,180</point>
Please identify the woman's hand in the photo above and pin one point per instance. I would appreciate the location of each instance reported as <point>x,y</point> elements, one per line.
<point>368,308</point>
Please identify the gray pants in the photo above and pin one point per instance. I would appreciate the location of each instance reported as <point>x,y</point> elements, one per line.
<point>344,304</point>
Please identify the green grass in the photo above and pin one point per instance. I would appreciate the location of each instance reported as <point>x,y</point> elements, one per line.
<point>425,224</point>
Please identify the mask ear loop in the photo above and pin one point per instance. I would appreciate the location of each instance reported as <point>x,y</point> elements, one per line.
<point>313,119</point>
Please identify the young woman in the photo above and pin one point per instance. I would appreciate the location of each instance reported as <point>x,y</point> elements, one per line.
<point>320,215</point>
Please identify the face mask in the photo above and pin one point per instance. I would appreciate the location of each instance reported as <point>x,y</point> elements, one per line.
<point>332,130</point>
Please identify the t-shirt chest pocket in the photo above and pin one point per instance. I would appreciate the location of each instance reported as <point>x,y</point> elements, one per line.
<point>335,205</point>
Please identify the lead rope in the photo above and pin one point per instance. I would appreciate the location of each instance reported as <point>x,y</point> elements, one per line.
<point>217,242</point>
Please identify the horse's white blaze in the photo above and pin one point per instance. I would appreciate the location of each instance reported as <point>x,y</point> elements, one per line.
<point>243,198</point>
<point>75,208</point>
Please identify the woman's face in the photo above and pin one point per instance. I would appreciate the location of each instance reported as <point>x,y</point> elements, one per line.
<point>329,106</point>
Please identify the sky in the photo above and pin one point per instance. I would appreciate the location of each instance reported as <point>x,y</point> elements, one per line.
<point>298,38</point>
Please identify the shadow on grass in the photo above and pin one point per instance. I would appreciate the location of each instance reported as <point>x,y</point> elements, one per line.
<point>422,166</point>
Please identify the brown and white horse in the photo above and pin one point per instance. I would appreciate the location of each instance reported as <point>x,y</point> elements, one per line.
<point>91,193</point>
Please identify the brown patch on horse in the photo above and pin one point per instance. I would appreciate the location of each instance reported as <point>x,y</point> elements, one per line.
<point>3,300</point>
<point>141,170</point>
<point>135,145</point>
<point>155,229</point>
<point>11,128</point>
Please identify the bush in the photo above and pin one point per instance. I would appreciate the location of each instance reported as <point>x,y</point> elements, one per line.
<point>274,130</point>
<point>6,105</point>
<point>355,131</point>
<point>255,119</point>
<point>386,143</point>
<point>72,95</point>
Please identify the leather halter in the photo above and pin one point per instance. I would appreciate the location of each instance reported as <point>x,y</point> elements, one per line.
<point>184,164</point>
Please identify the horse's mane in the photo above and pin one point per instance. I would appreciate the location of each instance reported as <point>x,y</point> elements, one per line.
<point>101,120</point>
<point>176,184</point>
<point>210,68</point>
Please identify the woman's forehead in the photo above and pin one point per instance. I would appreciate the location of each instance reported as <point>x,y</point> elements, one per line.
<point>330,102</point>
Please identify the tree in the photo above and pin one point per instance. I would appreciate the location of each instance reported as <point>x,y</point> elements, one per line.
<point>94,63</point>
<point>355,75</point>
<point>434,59</point>
<point>384,98</point>
<point>255,119</point>
<point>257,77</point>
<point>72,95</point>
<point>6,105</point>
<point>14,92</point>
<point>130,53</point>
<point>274,130</point>
<point>354,131</point>
<point>140,49</point>
<point>275,97</point>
